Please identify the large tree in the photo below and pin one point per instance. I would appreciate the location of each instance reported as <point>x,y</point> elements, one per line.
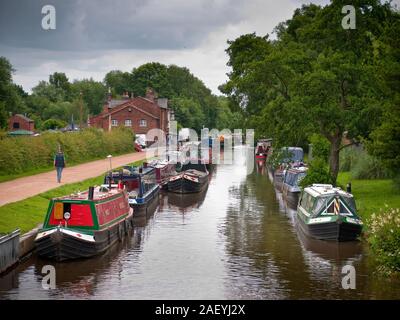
<point>316,77</point>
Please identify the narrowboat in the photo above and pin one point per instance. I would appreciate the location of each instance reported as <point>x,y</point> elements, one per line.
<point>328,213</point>
<point>85,224</point>
<point>293,156</point>
<point>141,185</point>
<point>278,178</point>
<point>191,178</point>
<point>164,169</point>
<point>262,149</point>
<point>290,185</point>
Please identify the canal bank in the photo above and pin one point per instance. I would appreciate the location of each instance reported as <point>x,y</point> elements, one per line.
<point>236,241</point>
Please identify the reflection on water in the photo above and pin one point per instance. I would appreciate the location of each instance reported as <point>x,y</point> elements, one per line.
<point>237,239</point>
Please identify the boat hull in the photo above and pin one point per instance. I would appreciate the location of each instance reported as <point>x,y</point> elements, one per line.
<point>147,208</point>
<point>335,230</point>
<point>278,180</point>
<point>63,244</point>
<point>291,198</point>
<point>183,185</point>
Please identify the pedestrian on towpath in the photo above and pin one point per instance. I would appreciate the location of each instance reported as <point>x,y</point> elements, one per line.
<point>59,163</point>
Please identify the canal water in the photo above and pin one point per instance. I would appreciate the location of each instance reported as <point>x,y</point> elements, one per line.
<point>236,240</point>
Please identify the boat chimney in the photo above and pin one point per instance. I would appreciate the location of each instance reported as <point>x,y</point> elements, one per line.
<point>348,187</point>
<point>140,169</point>
<point>145,164</point>
<point>109,180</point>
<point>91,193</point>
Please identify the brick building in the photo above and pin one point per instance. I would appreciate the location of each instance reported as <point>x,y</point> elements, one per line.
<point>138,113</point>
<point>20,122</point>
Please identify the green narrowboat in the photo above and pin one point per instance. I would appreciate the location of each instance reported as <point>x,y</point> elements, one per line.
<point>85,224</point>
<point>328,213</point>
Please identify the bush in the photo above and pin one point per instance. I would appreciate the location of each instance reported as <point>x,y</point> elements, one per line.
<point>318,172</point>
<point>348,158</point>
<point>362,165</point>
<point>320,147</point>
<point>384,238</point>
<point>52,124</point>
<point>21,154</point>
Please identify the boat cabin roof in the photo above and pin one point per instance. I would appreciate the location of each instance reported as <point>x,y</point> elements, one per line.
<point>318,190</point>
<point>100,192</point>
<point>134,171</point>
<point>297,170</point>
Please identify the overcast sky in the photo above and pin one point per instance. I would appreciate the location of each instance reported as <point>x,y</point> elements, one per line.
<point>93,37</point>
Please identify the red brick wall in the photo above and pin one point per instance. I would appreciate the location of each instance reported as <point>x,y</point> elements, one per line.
<point>135,115</point>
<point>23,124</point>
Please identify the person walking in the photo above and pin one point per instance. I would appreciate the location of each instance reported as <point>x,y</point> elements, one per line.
<point>59,163</point>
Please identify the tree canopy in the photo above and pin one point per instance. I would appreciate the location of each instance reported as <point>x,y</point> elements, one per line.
<point>317,77</point>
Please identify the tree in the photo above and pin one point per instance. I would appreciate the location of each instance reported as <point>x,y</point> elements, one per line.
<point>93,94</point>
<point>60,81</point>
<point>188,113</point>
<point>3,116</point>
<point>9,92</point>
<point>315,78</point>
<point>152,75</point>
<point>118,81</point>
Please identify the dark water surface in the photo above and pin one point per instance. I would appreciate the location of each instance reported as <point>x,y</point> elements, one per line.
<point>234,241</point>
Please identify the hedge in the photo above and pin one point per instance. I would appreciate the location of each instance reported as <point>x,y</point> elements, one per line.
<point>20,154</point>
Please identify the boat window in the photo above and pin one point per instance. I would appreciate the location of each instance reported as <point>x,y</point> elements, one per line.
<point>344,210</point>
<point>320,203</point>
<point>350,203</point>
<point>307,202</point>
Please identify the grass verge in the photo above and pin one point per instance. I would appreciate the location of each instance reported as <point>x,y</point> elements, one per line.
<point>372,196</point>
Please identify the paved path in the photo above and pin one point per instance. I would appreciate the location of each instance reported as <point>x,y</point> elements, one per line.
<point>22,188</point>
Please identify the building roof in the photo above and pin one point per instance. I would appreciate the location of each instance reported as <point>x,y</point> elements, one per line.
<point>21,133</point>
<point>128,104</point>
<point>24,117</point>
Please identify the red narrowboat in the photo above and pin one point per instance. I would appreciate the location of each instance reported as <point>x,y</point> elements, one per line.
<point>85,224</point>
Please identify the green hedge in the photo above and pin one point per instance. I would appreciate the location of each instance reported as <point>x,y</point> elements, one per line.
<point>20,154</point>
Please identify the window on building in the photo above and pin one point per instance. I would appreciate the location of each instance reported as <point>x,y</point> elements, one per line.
<point>128,123</point>
<point>16,125</point>
<point>142,123</point>
<point>114,123</point>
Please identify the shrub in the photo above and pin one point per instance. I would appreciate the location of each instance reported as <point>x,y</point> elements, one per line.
<point>318,172</point>
<point>320,147</point>
<point>52,124</point>
<point>20,154</point>
<point>362,165</point>
<point>384,238</point>
<point>368,167</point>
<point>348,158</point>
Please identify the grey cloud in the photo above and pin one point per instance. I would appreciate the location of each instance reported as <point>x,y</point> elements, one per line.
<point>119,24</point>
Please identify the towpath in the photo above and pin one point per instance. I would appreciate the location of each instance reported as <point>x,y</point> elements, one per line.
<point>22,188</point>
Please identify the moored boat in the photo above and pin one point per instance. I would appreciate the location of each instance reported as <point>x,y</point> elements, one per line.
<point>85,224</point>
<point>290,185</point>
<point>263,148</point>
<point>141,185</point>
<point>193,177</point>
<point>164,169</point>
<point>328,213</point>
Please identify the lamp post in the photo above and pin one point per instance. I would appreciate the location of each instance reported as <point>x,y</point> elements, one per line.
<point>110,157</point>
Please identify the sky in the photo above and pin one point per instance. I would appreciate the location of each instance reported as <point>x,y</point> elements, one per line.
<point>93,37</point>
